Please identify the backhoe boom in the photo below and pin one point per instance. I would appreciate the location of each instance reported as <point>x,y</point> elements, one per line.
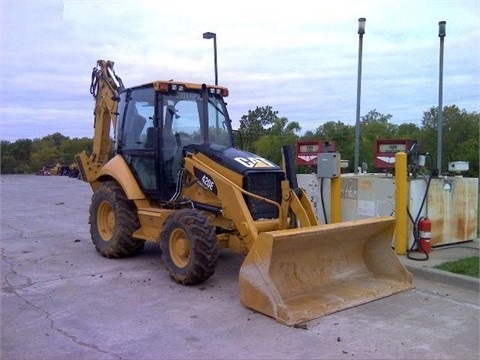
<point>105,87</point>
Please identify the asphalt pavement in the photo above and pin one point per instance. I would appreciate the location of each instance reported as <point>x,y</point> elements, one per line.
<point>60,299</point>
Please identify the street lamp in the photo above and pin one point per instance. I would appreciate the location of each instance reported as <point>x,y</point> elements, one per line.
<point>441,34</point>
<point>361,31</point>
<point>210,35</point>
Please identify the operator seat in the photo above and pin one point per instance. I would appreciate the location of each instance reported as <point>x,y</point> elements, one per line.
<point>150,138</point>
<point>133,132</point>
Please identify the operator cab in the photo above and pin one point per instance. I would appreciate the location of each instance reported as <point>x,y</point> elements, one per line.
<point>156,121</point>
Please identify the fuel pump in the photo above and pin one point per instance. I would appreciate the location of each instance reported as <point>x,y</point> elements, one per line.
<point>422,226</point>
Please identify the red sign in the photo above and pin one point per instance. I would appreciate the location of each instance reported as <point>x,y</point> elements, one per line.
<point>307,151</point>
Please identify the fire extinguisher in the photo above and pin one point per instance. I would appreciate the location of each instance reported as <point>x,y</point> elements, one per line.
<point>424,235</point>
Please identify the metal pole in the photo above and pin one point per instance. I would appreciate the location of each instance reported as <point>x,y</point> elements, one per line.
<point>215,58</point>
<point>441,35</point>
<point>361,31</point>
<point>211,35</point>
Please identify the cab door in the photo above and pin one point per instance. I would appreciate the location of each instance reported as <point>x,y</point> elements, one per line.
<point>138,139</point>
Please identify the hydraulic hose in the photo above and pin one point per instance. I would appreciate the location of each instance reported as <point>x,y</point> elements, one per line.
<point>322,200</point>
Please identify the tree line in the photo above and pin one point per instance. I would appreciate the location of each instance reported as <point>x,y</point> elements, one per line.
<point>263,131</point>
<point>25,156</point>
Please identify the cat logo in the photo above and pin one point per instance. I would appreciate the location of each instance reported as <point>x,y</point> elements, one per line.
<point>254,162</point>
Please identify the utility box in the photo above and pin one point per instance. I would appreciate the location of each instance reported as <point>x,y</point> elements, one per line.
<point>328,165</point>
<point>458,166</point>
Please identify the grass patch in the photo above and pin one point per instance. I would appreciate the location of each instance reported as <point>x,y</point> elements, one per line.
<point>467,266</point>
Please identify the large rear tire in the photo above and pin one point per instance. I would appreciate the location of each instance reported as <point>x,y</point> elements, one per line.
<point>113,219</point>
<point>189,247</point>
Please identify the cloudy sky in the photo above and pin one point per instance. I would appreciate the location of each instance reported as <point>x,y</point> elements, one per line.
<point>298,59</point>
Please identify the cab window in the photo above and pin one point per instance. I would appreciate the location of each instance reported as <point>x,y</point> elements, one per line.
<point>139,120</point>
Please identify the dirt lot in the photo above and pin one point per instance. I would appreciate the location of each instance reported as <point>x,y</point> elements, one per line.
<point>60,299</point>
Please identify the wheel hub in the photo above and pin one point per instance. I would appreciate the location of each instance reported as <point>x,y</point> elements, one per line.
<point>105,221</point>
<point>179,248</point>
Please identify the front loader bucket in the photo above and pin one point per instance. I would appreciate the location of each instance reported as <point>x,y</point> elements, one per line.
<point>298,275</point>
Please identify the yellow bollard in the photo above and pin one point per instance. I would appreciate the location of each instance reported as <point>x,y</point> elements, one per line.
<point>336,194</point>
<point>401,203</point>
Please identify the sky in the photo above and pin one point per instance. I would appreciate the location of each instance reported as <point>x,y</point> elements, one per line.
<point>300,59</point>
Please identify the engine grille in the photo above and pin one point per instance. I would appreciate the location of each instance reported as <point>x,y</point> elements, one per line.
<point>267,185</point>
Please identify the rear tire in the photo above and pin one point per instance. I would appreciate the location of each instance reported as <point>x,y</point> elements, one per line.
<point>189,247</point>
<point>113,219</point>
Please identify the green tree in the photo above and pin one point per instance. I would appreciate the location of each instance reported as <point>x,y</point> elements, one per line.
<point>22,149</point>
<point>55,139</point>
<point>70,148</point>
<point>408,131</point>
<point>281,133</point>
<point>342,134</point>
<point>15,157</point>
<point>8,160</point>
<point>374,126</point>
<point>28,156</point>
<point>253,125</point>
<point>44,154</point>
<point>460,140</point>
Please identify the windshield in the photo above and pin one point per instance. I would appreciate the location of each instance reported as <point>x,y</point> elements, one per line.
<point>182,115</point>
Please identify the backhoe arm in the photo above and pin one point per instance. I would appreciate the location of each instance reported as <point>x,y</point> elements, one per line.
<point>105,87</point>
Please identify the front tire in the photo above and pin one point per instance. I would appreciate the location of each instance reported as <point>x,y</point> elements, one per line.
<point>189,247</point>
<point>113,219</point>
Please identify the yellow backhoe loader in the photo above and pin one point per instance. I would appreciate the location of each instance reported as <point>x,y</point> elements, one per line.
<point>175,178</point>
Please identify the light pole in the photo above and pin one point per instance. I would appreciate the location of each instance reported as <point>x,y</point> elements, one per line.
<point>361,31</point>
<point>210,35</point>
<point>441,34</point>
